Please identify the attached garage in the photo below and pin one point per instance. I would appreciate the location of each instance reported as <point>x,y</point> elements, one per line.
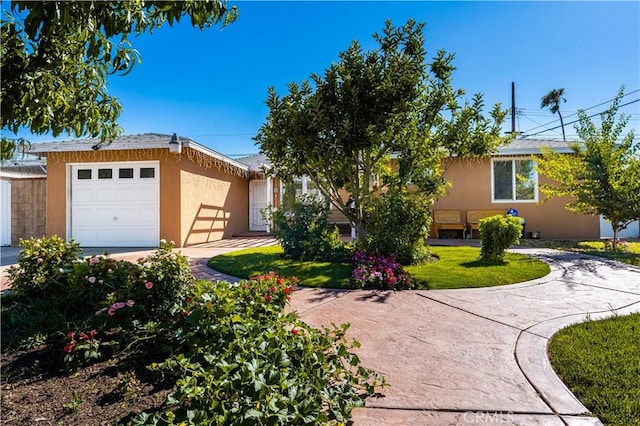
<point>143,188</point>
<point>115,204</point>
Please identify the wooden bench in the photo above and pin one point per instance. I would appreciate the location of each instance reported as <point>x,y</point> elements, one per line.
<point>474,216</point>
<point>447,219</point>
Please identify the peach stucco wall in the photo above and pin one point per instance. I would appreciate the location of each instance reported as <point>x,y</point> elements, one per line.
<point>471,190</point>
<point>214,205</point>
<point>189,195</point>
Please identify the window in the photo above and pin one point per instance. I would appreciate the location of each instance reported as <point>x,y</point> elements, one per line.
<point>105,173</point>
<point>147,172</point>
<point>125,173</point>
<point>84,174</point>
<point>293,190</point>
<point>514,180</point>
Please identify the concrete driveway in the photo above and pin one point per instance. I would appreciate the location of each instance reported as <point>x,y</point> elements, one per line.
<point>470,356</point>
<point>476,356</point>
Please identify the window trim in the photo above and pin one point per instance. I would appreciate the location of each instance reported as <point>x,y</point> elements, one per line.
<point>513,182</point>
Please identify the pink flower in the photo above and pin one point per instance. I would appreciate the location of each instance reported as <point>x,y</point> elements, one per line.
<point>112,311</point>
<point>130,303</point>
<point>119,305</point>
<point>148,285</point>
<point>94,260</point>
<point>100,311</point>
<point>295,331</point>
<point>91,279</point>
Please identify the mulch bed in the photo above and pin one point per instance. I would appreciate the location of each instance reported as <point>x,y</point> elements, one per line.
<point>36,390</point>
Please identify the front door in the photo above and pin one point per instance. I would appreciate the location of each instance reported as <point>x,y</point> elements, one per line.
<point>258,200</point>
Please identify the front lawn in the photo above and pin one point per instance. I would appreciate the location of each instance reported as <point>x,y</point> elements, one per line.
<point>456,267</point>
<point>600,363</point>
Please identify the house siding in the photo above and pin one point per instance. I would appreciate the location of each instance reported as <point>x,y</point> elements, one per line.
<point>28,209</point>
<point>471,190</point>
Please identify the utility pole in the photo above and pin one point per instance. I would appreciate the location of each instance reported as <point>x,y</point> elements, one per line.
<point>513,107</point>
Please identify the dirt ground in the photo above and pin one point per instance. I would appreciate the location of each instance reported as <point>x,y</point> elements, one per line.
<point>36,391</point>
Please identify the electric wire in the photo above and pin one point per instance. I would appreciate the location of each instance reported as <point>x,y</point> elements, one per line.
<point>575,121</point>
<point>586,109</point>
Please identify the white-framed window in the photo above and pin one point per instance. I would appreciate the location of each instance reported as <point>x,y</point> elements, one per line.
<point>514,180</point>
<point>302,185</point>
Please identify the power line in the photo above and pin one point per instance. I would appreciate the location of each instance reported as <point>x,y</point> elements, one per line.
<point>575,121</point>
<point>586,109</point>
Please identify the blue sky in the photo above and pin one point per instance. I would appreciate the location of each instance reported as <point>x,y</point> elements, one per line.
<point>211,85</point>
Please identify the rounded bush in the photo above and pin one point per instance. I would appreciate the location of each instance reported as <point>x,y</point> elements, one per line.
<point>497,234</point>
<point>43,266</point>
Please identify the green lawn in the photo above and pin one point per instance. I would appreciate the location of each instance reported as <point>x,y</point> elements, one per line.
<point>456,267</point>
<point>600,362</point>
<point>595,248</point>
<point>459,267</point>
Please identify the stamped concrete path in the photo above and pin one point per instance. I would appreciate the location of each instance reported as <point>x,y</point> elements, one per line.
<point>470,356</point>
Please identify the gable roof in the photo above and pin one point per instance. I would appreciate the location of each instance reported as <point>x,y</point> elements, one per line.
<point>134,142</point>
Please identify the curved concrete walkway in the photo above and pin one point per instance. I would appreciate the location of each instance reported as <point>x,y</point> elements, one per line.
<point>470,356</point>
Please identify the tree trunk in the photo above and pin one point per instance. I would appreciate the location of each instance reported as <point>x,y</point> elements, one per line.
<point>562,126</point>
<point>616,231</point>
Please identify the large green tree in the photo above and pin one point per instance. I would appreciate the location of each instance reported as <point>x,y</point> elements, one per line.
<point>603,175</point>
<point>373,109</point>
<point>57,55</point>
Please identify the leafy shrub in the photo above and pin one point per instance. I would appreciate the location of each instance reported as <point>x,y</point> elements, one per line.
<point>304,232</point>
<point>497,234</point>
<point>379,272</point>
<point>94,278</point>
<point>397,223</point>
<point>43,264</point>
<point>238,359</point>
<point>157,283</point>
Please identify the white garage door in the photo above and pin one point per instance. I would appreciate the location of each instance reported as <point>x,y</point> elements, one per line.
<point>115,204</point>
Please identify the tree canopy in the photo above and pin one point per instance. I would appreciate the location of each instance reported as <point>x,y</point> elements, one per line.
<point>57,55</point>
<point>603,177</point>
<point>383,116</point>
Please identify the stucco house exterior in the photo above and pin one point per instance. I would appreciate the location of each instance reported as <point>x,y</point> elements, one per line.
<point>143,188</point>
<point>508,180</point>
<point>147,187</point>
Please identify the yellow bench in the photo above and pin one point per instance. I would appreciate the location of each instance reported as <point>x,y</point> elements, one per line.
<point>447,219</point>
<point>474,216</point>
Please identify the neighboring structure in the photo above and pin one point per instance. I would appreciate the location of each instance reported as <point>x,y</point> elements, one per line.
<point>23,199</point>
<point>143,188</point>
<point>508,179</point>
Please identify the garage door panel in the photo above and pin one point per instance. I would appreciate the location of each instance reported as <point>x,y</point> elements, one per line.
<point>105,194</point>
<point>128,194</point>
<point>84,194</point>
<point>115,212</point>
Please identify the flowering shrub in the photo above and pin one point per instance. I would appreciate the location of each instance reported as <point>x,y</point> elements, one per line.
<point>82,348</point>
<point>380,272</point>
<point>158,282</point>
<point>94,278</point>
<point>239,359</point>
<point>43,264</point>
